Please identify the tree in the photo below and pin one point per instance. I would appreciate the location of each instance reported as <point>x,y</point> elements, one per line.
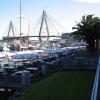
<point>88,30</point>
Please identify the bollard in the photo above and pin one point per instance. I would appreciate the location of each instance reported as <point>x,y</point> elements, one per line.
<point>44,69</point>
<point>25,78</point>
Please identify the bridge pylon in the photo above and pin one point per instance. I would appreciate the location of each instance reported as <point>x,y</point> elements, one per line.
<point>11,28</point>
<point>44,21</point>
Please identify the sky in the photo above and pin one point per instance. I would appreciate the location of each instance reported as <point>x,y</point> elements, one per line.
<point>65,13</point>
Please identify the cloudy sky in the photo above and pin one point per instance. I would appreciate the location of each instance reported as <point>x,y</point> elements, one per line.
<point>64,12</point>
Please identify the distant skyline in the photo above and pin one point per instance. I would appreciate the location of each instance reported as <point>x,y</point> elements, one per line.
<point>65,12</point>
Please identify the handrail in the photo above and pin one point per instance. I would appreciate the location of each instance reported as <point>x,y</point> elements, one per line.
<point>95,90</point>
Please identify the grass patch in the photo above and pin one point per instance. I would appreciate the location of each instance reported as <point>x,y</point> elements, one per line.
<point>66,85</point>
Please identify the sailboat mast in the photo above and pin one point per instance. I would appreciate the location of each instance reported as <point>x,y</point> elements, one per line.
<point>28,31</point>
<point>20,17</point>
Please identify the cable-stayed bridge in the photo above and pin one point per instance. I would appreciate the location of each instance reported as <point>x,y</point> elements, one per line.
<point>44,31</point>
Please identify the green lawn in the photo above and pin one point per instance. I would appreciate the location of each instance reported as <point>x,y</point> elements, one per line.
<point>66,85</point>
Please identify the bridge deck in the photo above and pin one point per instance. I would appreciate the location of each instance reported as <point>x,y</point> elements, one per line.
<point>18,37</point>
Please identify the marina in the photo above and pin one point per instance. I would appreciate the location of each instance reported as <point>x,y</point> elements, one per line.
<point>23,61</point>
<point>19,70</point>
<point>28,57</point>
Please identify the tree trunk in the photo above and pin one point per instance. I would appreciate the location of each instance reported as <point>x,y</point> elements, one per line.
<point>91,46</point>
<point>97,44</point>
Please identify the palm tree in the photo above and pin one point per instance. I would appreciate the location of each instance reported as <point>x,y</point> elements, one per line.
<point>88,30</point>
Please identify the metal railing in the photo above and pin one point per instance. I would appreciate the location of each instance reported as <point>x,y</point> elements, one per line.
<point>96,87</point>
